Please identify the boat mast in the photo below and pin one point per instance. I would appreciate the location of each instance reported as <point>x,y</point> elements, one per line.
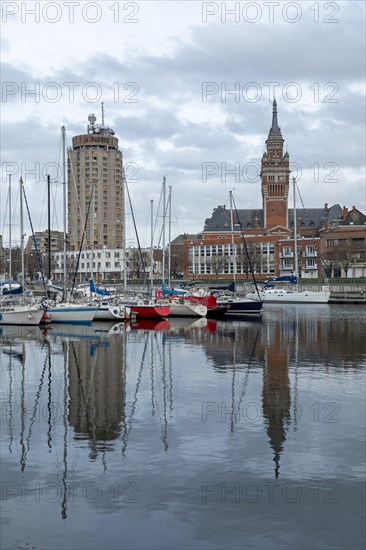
<point>124,232</point>
<point>163,244</point>
<point>295,229</point>
<point>49,224</point>
<point>152,244</point>
<point>232,240</point>
<point>64,204</point>
<point>21,232</point>
<point>10,274</point>
<point>92,234</point>
<point>170,233</point>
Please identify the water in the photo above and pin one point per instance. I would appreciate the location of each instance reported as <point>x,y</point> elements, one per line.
<point>186,434</point>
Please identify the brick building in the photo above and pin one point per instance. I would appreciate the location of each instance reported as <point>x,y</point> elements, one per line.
<point>269,232</point>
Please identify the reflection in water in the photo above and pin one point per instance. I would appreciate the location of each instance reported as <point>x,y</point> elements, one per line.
<point>96,391</point>
<point>276,393</point>
<point>98,397</point>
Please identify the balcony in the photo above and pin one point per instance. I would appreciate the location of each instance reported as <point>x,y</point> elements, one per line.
<point>311,267</point>
<point>311,254</point>
<point>286,267</point>
<point>286,254</point>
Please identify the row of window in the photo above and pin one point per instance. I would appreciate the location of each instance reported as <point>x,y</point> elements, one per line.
<point>98,265</point>
<point>230,249</point>
<point>279,178</point>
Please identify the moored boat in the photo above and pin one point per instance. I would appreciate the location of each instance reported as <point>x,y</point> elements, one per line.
<point>283,295</point>
<point>110,312</point>
<point>71,313</point>
<point>239,307</point>
<point>17,314</point>
<point>179,307</point>
<point>150,311</point>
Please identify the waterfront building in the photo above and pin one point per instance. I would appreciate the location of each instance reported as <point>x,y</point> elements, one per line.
<point>343,245</point>
<point>41,238</point>
<point>95,185</point>
<point>269,231</point>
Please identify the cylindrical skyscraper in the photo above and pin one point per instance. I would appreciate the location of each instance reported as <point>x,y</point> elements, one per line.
<point>95,179</point>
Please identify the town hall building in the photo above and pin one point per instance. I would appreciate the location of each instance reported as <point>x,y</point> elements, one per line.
<point>269,232</point>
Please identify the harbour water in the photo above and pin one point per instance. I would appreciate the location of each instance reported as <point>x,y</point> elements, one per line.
<point>186,434</point>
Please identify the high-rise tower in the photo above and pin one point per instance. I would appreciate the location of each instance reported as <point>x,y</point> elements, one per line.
<point>275,174</point>
<point>95,169</point>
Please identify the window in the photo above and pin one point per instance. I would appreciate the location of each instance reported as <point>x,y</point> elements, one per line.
<point>271,178</point>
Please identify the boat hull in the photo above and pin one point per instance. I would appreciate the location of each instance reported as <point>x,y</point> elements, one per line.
<point>242,308</point>
<point>20,315</point>
<point>278,296</point>
<point>72,314</point>
<point>187,310</point>
<point>112,313</point>
<point>150,311</point>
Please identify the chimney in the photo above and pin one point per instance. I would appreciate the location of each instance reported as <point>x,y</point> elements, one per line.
<point>345,212</point>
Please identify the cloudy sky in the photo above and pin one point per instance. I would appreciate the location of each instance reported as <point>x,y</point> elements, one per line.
<point>187,86</point>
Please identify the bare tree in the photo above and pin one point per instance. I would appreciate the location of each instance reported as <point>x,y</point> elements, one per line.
<point>250,257</point>
<point>340,255</point>
<point>218,264</point>
<point>136,262</point>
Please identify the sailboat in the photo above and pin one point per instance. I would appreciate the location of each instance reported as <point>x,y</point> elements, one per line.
<point>11,311</point>
<point>286,294</point>
<point>238,307</point>
<point>67,312</point>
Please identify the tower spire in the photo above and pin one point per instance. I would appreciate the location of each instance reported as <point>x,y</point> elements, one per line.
<point>275,131</point>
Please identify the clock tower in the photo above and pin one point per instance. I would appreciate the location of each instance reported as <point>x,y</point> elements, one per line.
<point>275,173</point>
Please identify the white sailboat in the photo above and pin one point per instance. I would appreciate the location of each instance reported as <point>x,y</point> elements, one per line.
<point>282,295</point>
<point>11,311</point>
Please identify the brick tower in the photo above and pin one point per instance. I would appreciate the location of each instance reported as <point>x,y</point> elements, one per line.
<point>275,174</point>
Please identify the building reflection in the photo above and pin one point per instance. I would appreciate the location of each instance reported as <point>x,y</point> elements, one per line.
<point>96,389</point>
<point>276,396</point>
<point>237,347</point>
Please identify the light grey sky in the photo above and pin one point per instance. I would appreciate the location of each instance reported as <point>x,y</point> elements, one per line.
<point>187,87</point>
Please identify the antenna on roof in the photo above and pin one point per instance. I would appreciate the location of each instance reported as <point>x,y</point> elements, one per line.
<point>102,113</point>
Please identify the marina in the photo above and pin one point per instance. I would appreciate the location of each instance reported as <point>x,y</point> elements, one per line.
<point>183,276</point>
<point>186,433</point>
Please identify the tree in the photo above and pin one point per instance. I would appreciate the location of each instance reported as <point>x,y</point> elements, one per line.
<point>217,264</point>
<point>136,262</point>
<point>339,255</point>
<point>255,257</point>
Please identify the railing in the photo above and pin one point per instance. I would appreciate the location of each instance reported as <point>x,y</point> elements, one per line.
<point>286,254</point>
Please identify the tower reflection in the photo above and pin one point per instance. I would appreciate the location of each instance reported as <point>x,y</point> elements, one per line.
<point>96,388</point>
<point>276,396</point>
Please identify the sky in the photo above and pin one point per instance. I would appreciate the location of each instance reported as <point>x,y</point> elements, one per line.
<point>188,88</point>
